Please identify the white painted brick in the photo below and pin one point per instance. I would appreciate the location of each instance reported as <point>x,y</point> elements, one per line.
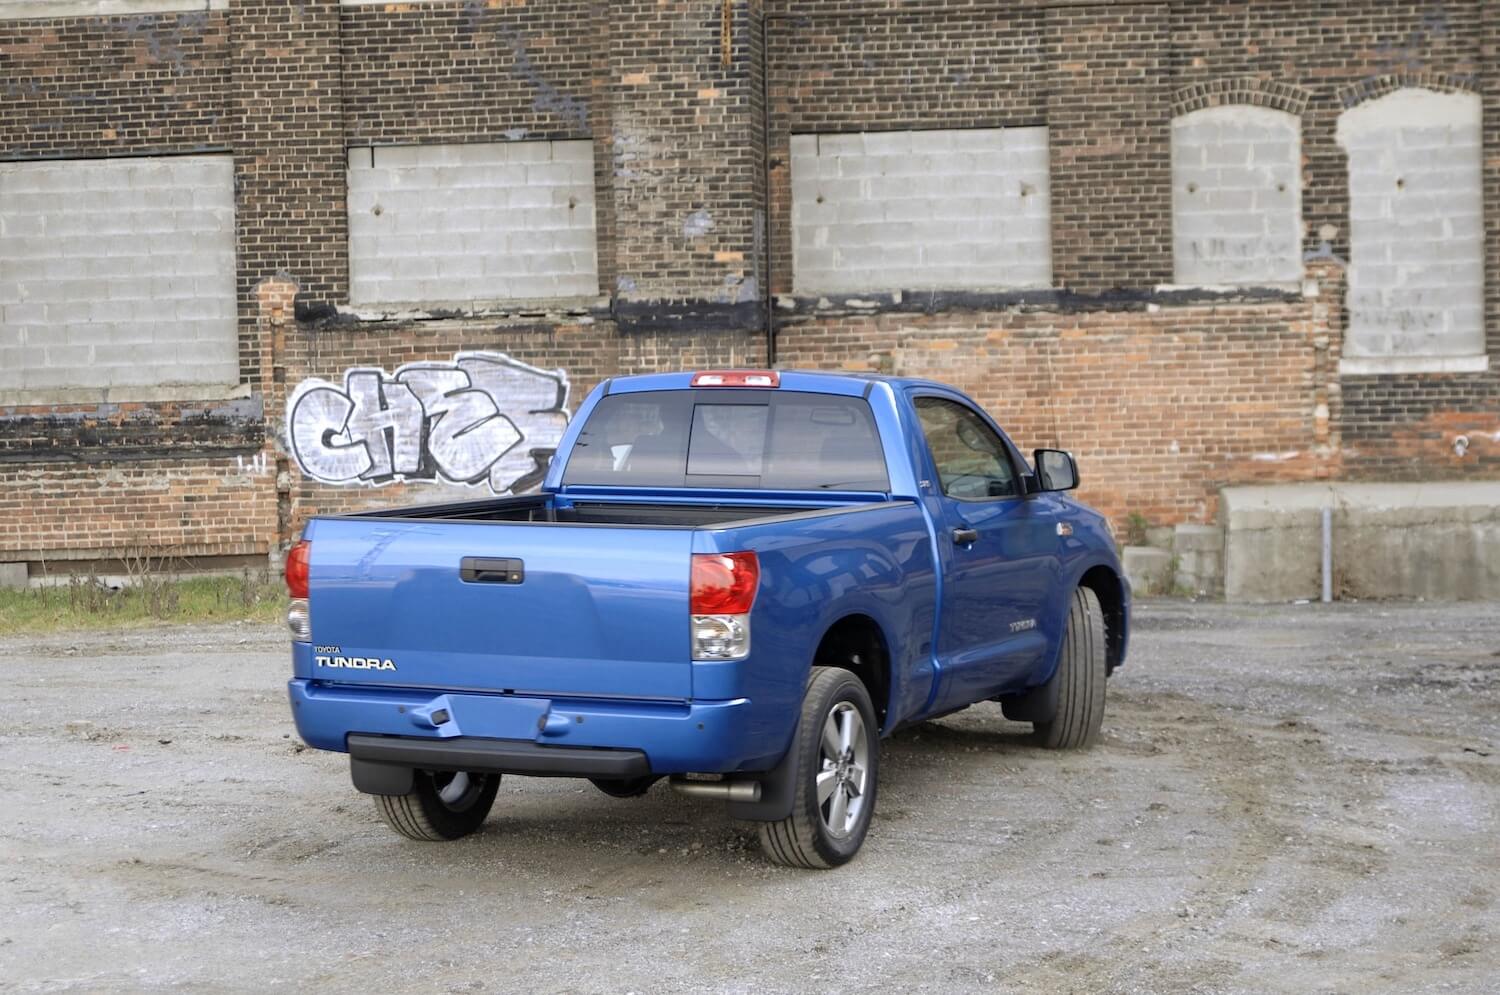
<point>840,145</point>
<point>94,243</point>
<point>1232,224</point>
<point>479,203</point>
<point>880,143</point>
<point>1416,272</point>
<point>914,209</point>
<point>972,139</point>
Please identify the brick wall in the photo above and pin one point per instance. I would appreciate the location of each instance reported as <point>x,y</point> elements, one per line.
<point>1340,56</point>
<point>88,86</point>
<point>835,68</point>
<point>1111,149</point>
<point>1214,394</point>
<point>690,106</point>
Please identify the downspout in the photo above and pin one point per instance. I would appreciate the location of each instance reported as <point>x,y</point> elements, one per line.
<point>765,163</point>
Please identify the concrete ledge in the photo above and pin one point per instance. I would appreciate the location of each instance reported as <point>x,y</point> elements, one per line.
<point>1148,569</point>
<point>123,394</point>
<point>570,308</point>
<point>1437,540</point>
<point>1353,366</point>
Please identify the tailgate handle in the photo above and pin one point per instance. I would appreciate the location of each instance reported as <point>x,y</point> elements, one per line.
<point>491,570</point>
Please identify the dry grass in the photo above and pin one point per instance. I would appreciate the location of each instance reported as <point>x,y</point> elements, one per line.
<point>152,595</point>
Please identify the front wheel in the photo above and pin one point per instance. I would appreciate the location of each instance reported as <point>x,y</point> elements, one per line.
<point>837,753</point>
<point>1080,676</point>
<point>442,805</point>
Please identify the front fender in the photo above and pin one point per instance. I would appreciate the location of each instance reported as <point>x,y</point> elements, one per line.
<point>1087,552</point>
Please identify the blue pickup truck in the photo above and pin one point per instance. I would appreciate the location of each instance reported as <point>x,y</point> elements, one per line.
<point>739,580</point>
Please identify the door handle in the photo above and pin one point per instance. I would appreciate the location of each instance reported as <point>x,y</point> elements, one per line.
<point>965,537</point>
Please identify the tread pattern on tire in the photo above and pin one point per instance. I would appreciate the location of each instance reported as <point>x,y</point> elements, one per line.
<point>410,814</point>
<point>405,815</point>
<point>1081,676</point>
<point>790,842</point>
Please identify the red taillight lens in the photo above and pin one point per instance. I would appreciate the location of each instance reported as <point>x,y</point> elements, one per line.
<point>296,569</point>
<point>724,583</point>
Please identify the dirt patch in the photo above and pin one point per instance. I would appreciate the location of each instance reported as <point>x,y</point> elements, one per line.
<point>1292,799</point>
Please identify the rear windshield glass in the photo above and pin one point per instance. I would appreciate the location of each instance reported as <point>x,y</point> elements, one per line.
<point>767,439</point>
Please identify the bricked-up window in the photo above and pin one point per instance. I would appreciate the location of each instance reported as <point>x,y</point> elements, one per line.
<point>443,224</point>
<point>1236,197</point>
<point>86,8</point>
<point>921,210</point>
<point>1416,267</point>
<point>117,273</point>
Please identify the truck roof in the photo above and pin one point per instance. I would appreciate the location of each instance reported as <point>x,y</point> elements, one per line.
<point>854,382</point>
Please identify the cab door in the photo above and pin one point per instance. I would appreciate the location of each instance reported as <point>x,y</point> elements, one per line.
<point>998,550</point>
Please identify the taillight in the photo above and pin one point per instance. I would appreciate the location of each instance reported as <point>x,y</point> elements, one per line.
<point>724,583</point>
<point>722,591</point>
<point>298,620</point>
<point>296,569</point>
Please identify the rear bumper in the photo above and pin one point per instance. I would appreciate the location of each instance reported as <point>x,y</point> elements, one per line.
<point>382,765</point>
<point>533,735</point>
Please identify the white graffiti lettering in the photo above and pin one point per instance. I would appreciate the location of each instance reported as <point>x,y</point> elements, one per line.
<point>483,419</point>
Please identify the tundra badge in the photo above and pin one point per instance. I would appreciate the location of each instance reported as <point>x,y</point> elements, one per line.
<point>355,662</point>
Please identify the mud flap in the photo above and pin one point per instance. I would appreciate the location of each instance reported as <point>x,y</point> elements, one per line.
<point>380,779</point>
<point>777,789</point>
<point>1036,705</point>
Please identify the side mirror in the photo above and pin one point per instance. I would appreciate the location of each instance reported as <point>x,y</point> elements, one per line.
<point>1055,470</point>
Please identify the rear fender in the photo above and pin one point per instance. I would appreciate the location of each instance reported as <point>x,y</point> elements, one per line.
<point>778,786</point>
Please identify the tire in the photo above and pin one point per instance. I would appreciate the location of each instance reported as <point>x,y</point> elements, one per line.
<point>1080,679</point>
<point>624,787</point>
<point>440,807</point>
<point>819,835</point>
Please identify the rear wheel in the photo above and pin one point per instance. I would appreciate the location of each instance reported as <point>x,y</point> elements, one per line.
<point>838,758</point>
<point>442,805</point>
<point>1080,679</point>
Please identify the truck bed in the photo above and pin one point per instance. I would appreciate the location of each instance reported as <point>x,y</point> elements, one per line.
<point>541,509</point>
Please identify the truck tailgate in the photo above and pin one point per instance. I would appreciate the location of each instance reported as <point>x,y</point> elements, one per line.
<point>596,610</point>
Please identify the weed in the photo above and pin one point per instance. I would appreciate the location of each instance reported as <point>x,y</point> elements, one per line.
<point>85,602</point>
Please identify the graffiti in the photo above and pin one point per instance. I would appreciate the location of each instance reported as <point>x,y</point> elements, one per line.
<point>483,419</point>
<point>255,465</point>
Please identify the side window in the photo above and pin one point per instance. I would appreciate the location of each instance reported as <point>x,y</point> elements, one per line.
<point>972,462</point>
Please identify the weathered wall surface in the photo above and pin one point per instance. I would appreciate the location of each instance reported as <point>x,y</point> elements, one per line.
<point>116,273</point>
<point>1215,393</point>
<point>914,210</point>
<point>1078,310</point>
<point>1384,541</point>
<point>484,221</point>
<point>1236,196</point>
<point>1416,209</point>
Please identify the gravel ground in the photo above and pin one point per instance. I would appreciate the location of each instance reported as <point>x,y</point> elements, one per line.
<point>1287,799</point>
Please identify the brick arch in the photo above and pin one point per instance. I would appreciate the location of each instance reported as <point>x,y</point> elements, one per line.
<point>1371,87</point>
<point>1253,90</point>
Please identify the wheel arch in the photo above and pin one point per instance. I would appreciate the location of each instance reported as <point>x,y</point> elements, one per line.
<point>1113,601</point>
<point>857,643</point>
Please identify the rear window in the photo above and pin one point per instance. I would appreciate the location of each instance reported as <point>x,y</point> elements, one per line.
<point>765,439</point>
